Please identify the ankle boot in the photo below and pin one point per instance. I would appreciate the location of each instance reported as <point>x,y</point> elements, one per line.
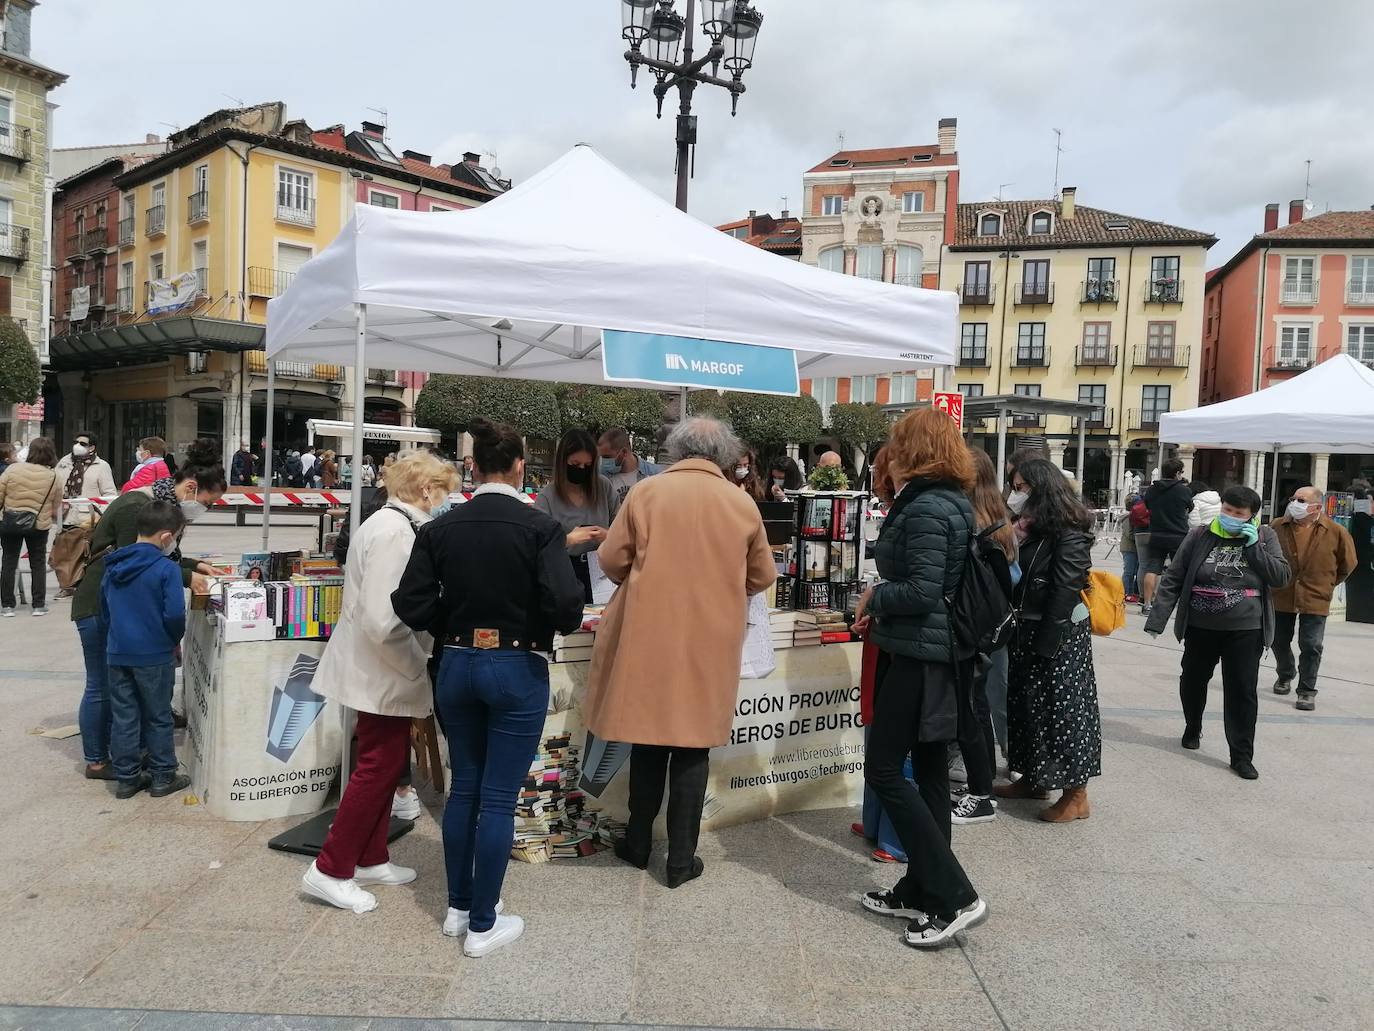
<point>1072,805</point>
<point>1022,788</point>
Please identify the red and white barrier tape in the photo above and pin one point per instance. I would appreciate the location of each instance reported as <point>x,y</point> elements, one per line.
<point>285,498</point>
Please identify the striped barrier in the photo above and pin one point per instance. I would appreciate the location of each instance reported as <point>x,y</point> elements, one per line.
<point>281,498</point>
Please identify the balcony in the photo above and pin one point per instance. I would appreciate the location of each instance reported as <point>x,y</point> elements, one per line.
<point>257,364</point>
<point>973,359</point>
<point>1152,357</point>
<point>1146,419</point>
<point>1034,293</point>
<point>906,279</point>
<point>1028,422</point>
<point>300,213</point>
<point>1100,419</point>
<point>155,219</point>
<point>1100,291</point>
<point>126,231</point>
<point>14,243</point>
<point>14,142</point>
<point>1094,357</point>
<point>1291,363</point>
<point>198,208</point>
<point>977,294</point>
<point>1359,294</point>
<point>96,240</point>
<point>202,282</point>
<point>383,378</point>
<point>124,299</point>
<point>75,252</point>
<point>1031,358</point>
<point>1164,291</point>
<point>1300,294</point>
<point>268,282</point>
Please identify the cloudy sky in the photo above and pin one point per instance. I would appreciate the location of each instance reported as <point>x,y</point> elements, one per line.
<point>1196,112</point>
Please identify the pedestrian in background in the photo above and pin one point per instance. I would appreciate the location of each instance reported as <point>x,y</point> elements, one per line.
<point>580,499</point>
<point>243,466</point>
<point>6,457</point>
<point>329,471</point>
<point>620,464</point>
<point>1130,556</point>
<point>746,475</point>
<point>784,475</point>
<point>150,463</point>
<point>84,474</point>
<point>1169,501</point>
<point>1054,727</point>
<point>688,550</point>
<point>1321,555</point>
<point>1221,584</point>
<point>1206,504</point>
<point>31,501</point>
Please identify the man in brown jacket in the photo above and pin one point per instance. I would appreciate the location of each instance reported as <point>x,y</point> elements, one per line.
<point>1321,554</point>
<point>687,548</point>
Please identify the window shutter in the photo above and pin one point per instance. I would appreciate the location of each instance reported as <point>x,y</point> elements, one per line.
<point>4,295</point>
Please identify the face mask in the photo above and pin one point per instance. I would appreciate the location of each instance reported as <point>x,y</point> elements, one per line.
<point>80,450</point>
<point>1231,524</point>
<point>610,466</point>
<point>441,508</point>
<point>1297,510</point>
<point>580,475</point>
<point>1016,500</point>
<point>140,457</point>
<point>778,481</point>
<point>169,547</point>
<point>192,510</point>
<point>741,471</point>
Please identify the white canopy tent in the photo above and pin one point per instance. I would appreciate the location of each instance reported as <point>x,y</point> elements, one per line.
<point>522,286</point>
<point>1328,409</point>
<point>374,431</point>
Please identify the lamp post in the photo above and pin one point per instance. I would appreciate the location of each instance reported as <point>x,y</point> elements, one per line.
<point>656,33</point>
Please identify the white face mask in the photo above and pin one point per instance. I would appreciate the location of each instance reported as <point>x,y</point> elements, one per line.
<point>741,471</point>
<point>169,547</point>
<point>1016,501</point>
<point>192,510</point>
<point>1297,509</point>
<point>80,450</point>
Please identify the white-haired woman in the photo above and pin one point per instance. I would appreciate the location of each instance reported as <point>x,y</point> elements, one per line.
<point>688,548</point>
<point>376,665</point>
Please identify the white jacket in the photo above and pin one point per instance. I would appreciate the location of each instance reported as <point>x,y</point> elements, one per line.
<point>98,481</point>
<point>374,662</point>
<point>1206,507</point>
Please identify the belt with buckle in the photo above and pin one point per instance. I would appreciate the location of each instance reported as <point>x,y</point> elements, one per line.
<point>490,640</point>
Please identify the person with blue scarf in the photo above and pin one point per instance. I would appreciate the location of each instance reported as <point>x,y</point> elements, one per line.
<point>1221,583</point>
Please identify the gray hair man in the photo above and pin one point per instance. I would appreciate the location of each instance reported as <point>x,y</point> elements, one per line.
<point>1321,554</point>
<point>704,438</point>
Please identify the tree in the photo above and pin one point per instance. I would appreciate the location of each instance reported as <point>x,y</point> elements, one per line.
<point>597,409</point>
<point>858,426</point>
<point>711,403</point>
<point>21,374</point>
<point>451,402</point>
<point>764,421</point>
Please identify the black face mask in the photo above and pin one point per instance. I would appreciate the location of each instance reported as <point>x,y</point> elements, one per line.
<point>579,475</point>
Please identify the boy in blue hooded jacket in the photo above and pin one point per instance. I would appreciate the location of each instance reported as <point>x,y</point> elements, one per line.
<point>141,603</point>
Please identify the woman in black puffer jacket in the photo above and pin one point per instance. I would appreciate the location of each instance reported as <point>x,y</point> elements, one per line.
<point>921,554</point>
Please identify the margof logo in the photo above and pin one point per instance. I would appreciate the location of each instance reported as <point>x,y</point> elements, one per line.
<point>677,363</point>
<point>674,361</point>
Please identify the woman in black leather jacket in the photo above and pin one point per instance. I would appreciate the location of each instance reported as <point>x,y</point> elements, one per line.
<point>1054,728</point>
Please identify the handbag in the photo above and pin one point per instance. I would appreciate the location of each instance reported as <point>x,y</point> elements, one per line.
<point>71,555</point>
<point>15,521</point>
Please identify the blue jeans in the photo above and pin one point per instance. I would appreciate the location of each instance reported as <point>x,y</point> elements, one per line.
<point>492,705</point>
<point>141,710</point>
<point>94,713</point>
<point>1130,565</point>
<point>876,824</point>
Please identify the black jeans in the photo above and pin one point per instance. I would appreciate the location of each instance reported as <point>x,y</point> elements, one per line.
<point>1239,652</point>
<point>934,882</point>
<point>11,544</point>
<point>976,740</point>
<point>1311,634</point>
<point>685,770</point>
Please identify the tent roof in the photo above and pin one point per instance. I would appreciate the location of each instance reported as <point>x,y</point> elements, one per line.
<point>522,286</point>
<point>1329,408</point>
<point>344,430</point>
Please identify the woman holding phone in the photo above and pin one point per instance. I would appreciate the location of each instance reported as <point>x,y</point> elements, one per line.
<point>580,500</point>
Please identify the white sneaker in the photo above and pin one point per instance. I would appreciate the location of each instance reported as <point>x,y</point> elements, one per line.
<point>7,613</point>
<point>407,806</point>
<point>39,612</point>
<point>506,930</point>
<point>383,873</point>
<point>456,923</point>
<point>344,894</point>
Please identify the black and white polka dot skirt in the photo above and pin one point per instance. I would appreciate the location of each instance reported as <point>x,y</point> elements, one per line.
<point>1054,729</point>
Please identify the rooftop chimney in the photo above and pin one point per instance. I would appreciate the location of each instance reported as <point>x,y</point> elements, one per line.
<point>946,134</point>
<point>1066,202</point>
<point>785,214</point>
<point>374,130</point>
<point>1271,217</point>
<point>152,137</point>
<point>1295,211</point>
<point>753,212</point>
<point>469,158</point>
<point>415,155</point>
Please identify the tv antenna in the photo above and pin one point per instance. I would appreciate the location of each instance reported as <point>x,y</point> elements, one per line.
<point>237,100</point>
<point>840,139</point>
<point>784,202</point>
<point>1307,204</point>
<point>495,169</point>
<point>1058,149</point>
<point>1001,187</point>
<point>383,112</point>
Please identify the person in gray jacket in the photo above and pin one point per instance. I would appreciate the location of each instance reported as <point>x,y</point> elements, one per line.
<point>1221,583</point>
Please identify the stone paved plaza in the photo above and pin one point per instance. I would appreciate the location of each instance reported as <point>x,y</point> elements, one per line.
<point>1189,899</point>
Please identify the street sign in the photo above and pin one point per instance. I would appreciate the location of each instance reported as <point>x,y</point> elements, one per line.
<point>29,413</point>
<point>672,361</point>
<point>951,403</point>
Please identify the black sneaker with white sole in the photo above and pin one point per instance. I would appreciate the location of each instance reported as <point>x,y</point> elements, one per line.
<point>973,809</point>
<point>933,931</point>
<point>886,903</point>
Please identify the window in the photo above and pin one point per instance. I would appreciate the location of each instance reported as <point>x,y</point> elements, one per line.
<point>901,388</point>
<point>199,263</point>
<point>156,267</point>
<point>1027,418</point>
<point>1027,389</point>
<point>973,346</point>
<point>1097,343</point>
<point>160,195</point>
<point>125,294</point>
<point>6,116</point>
<point>202,178</point>
<point>1030,344</point>
<point>1295,345</point>
<point>1101,282</point>
<point>1035,280</point>
<point>378,199</point>
<point>295,196</point>
<point>440,207</point>
<point>1299,280</point>
<point>869,261</point>
<point>1359,342</point>
<point>1159,343</point>
<point>831,259</point>
<point>1040,223</point>
<point>990,225</point>
<point>1154,402</point>
<point>1094,394</point>
<point>832,204</point>
<point>824,391</point>
<point>1164,284</point>
<point>970,389</point>
<point>126,203</point>
<point>126,275</point>
<point>290,258</point>
<point>863,389</point>
<point>977,279</point>
<point>913,201</point>
<point>908,265</point>
<point>1361,280</point>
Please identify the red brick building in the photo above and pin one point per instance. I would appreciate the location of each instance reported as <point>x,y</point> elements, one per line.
<point>780,236</point>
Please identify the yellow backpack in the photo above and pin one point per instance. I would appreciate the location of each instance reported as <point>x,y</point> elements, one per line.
<point>1105,597</point>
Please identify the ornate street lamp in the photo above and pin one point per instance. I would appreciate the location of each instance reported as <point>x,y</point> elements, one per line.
<point>656,33</point>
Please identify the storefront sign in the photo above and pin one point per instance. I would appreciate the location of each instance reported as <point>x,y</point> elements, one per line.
<point>690,362</point>
<point>951,403</point>
<point>29,413</point>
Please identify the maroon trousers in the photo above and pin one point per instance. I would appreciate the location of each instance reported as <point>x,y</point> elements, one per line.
<point>358,834</point>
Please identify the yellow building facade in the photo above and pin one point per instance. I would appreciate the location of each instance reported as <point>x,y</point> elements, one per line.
<point>1072,303</point>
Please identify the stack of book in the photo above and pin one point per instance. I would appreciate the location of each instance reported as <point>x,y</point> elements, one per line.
<point>832,627</point>
<point>793,628</point>
<point>575,647</point>
<point>551,816</point>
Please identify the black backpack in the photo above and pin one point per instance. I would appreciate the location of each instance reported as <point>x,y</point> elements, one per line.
<point>980,607</point>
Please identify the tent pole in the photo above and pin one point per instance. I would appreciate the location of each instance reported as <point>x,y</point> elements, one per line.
<point>1274,488</point>
<point>1161,457</point>
<point>355,505</point>
<point>1001,448</point>
<point>1082,448</point>
<point>682,404</point>
<point>267,455</point>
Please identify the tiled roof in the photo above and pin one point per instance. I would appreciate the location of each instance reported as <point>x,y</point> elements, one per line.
<point>780,235</point>
<point>1332,225</point>
<point>885,157</point>
<point>1087,228</point>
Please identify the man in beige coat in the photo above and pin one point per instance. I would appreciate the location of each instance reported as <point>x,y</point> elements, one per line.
<point>688,548</point>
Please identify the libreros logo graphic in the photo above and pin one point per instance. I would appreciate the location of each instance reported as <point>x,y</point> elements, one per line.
<point>295,707</point>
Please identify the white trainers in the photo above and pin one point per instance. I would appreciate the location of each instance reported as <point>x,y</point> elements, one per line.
<point>39,612</point>
<point>7,613</point>
<point>344,894</point>
<point>383,873</point>
<point>506,930</point>
<point>407,806</point>
<point>456,922</point>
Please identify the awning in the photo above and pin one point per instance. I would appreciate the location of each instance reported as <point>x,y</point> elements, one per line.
<point>376,431</point>
<point>154,340</point>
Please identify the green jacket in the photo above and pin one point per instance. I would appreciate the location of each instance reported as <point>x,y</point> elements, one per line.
<point>117,528</point>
